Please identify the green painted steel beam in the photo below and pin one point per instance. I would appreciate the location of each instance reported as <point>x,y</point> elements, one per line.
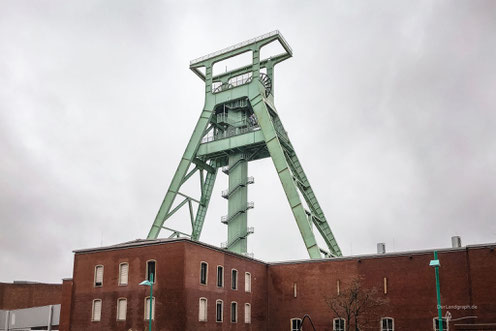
<point>201,212</point>
<point>177,180</point>
<point>282,168</point>
<point>231,143</point>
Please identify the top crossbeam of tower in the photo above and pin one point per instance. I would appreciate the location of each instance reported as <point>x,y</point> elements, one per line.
<point>239,46</point>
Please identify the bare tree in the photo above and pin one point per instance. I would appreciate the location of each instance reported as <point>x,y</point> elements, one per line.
<point>356,305</point>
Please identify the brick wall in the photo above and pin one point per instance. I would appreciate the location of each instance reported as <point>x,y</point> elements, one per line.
<point>466,276</point>
<point>466,279</point>
<point>17,296</point>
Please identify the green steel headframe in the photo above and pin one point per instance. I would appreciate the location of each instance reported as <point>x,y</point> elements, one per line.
<point>239,123</point>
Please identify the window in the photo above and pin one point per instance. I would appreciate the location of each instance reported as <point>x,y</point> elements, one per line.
<point>234,312</point>
<point>98,275</point>
<point>96,311</point>
<point>247,313</point>
<point>296,324</point>
<point>338,324</point>
<point>123,274</point>
<point>202,311</point>
<point>121,309</point>
<point>295,290</point>
<point>234,279</point>
<point>436,324</point>
<point>220,276</point>
<point>338,287</point>
<point>247,282</point>
<point>147,308</point>
<point>387,324</point>
<point>203,273</point>
<point>385,285</point>
<point>219,311</point>
<point>151,274</point>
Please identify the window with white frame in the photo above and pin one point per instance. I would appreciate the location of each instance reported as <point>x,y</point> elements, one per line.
<point>247,313</point>
<point>295,324</point>
<point>338,324</point>
<point>147,308</point>
<point>219,311</point>
<point>203,273</point>
<point>121,309</point>
<point>98,275</point>
<point>220,276</point>
<point>234,312</point>
<point>234,279</point>
<point>436,324</point>
<point>202,311</point>
<point>387,324</point>
<point>247,282</point>
<point>123,273</point>
<point>96,311</point>
<point>151,270</point>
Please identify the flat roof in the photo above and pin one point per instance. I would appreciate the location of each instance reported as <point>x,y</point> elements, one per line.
<point>151,242</point>
<point>160,241</point>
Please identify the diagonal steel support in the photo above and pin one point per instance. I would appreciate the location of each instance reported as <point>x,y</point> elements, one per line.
<point>184,164</point>
<point>277,154</point>
<point>207,188</point>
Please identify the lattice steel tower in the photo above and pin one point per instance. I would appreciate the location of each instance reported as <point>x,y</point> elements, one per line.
<point>239,124</point>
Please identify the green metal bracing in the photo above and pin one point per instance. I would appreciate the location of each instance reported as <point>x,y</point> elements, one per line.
<point>207,188</point>
<point>181,172</point>
<point>240,124</point>
<point>277,154</point>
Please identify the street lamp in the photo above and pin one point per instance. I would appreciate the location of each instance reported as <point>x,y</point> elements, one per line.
<point>435,263</point>
<point>149,283</point>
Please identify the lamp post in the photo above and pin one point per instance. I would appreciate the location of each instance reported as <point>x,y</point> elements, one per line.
<point>435,263</point>
<point>149,283</point>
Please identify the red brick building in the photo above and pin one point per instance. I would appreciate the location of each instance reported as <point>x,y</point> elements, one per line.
<point>198,286</point>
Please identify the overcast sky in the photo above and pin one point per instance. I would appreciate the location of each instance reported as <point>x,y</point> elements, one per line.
<point>389,104</point>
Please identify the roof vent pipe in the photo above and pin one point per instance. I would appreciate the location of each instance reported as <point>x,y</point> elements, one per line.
<point>456,242</point>
<point>381,248</point>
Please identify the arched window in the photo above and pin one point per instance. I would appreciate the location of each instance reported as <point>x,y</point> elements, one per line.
<point>98,276</point>
<point>295,324</point>
<point>436,324</point>
<point>234,312</point>
<point>202,311</point>
<point>220,276</point>
<point>203,273</point>
<point>234,279</point>
<point>121,309</point>
<point>387,324</point>
<point>147,308</point>
<point>151,269</point>
<point>123,273</point>
<point>247,282</point>
<point>338,324</point>
<point>96,311</point>
<point>247,313</point>
<point>219,311</point>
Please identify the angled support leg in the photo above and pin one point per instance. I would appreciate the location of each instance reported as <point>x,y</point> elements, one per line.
<point>207,187</point>
<point>306,191</point>
<point>277,154</point>
<point>184,164</point>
